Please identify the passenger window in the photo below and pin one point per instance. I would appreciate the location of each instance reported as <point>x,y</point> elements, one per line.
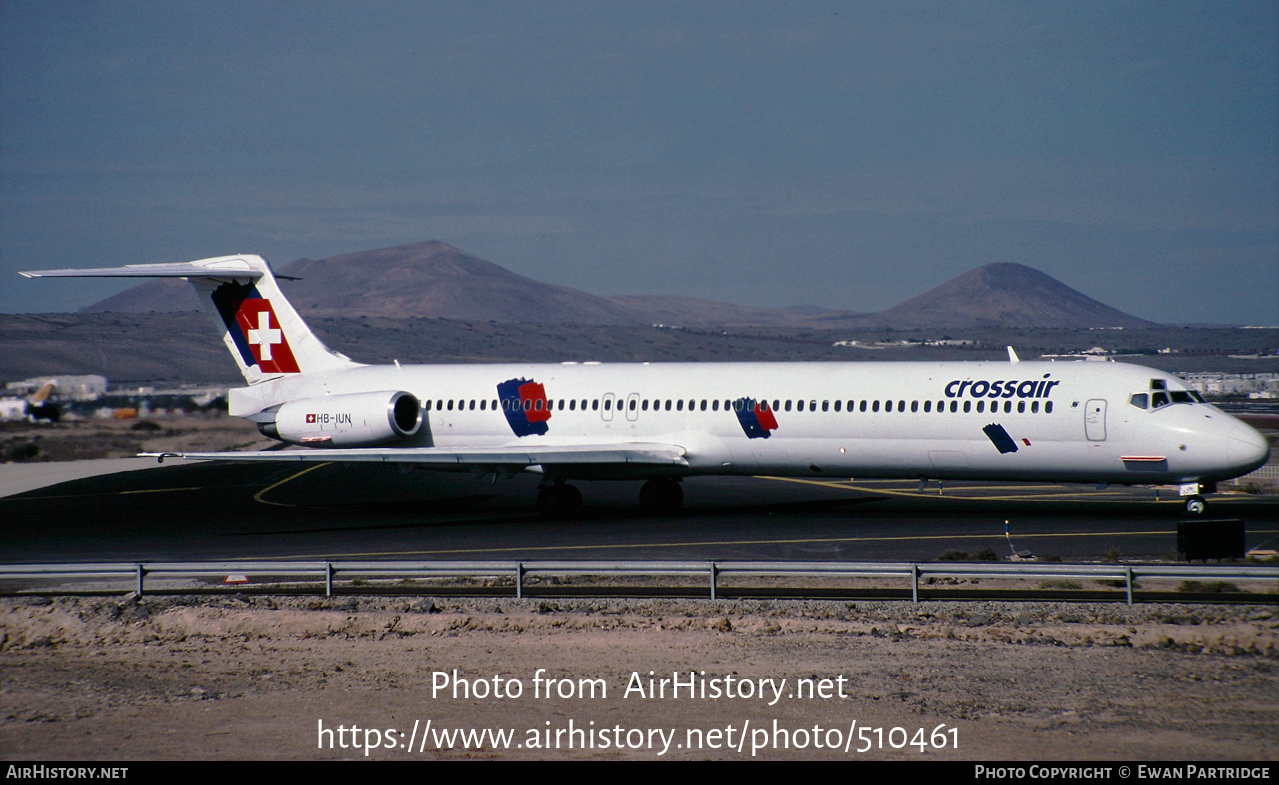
<point>1048,407</point>
<point>968,406</point>
<point>850,405</point>
<point>812,406</point>
<point>703,404</point>
<point>928,406</point>
<point>837,405</point>
<point>679,405</point>
<point>715,405</point>
<point>1034,407</point>
<point>914,406</point>
<point>450,404</point>
<point>595,405</point>
<point>788,406</point>
<point>1021,407</point>
<point>901,406</point>
<point>954,406</point>
<point>863,406</point>
<point>1008,407</point>
<point>608,404</point>
<point>825,406</point>
<point>981,406</point>
<point>1140,400</point>
<point>874,406</point>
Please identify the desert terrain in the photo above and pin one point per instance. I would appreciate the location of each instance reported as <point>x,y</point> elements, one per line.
<point>118,679</point>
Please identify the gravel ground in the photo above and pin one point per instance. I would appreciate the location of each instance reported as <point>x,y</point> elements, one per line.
<point>259,678</point>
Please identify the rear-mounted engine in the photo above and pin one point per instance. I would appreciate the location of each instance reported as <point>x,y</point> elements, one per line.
<point>356,420</point>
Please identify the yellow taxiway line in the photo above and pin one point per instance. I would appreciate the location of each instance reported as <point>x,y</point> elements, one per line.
<point>257,497</point>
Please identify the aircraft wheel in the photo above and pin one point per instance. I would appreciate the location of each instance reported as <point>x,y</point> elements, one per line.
<point>660,497</point>
<point>1196,505</point>
<point>556,502</point>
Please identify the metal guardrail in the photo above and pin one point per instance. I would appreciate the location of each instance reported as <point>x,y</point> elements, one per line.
<point>714,571</point>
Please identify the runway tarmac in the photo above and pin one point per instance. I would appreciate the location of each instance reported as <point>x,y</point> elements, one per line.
<point>196,510</point>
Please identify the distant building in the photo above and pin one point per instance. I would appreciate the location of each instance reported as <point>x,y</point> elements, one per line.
<point>80,388</point>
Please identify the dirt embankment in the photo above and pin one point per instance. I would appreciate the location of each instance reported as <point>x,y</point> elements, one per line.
<point>81,440</point>
<point>264,678</point>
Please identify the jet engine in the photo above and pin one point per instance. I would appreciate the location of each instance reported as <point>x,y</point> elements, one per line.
<point>354,420</point>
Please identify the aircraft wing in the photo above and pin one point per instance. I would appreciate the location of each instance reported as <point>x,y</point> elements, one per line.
<point>468,457</point>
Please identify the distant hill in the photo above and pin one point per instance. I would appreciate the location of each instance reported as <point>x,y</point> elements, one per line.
<point>435,280</point>
<point>1003,295</point>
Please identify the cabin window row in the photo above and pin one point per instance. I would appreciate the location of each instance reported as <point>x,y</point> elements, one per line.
<point>679,405</point>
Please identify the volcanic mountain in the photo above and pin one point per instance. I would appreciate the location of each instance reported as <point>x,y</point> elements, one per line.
<point>434,279</point>
<point>1002,295</point>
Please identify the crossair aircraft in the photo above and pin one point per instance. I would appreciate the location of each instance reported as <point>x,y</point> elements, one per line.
<point>1083,422</point>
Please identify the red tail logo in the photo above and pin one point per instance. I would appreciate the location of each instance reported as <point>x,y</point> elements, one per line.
<point>265,338</point>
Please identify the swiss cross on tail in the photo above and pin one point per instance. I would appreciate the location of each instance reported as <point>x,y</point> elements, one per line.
<point>254,328</point>
<point>265,338</point>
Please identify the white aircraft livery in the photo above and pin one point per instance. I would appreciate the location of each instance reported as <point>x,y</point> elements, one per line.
<point>1086,422</point>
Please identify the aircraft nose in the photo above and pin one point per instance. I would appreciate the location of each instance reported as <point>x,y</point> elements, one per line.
<point>1247,448</point>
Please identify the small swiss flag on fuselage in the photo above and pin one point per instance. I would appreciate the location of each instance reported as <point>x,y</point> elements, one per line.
<point>262,331</point>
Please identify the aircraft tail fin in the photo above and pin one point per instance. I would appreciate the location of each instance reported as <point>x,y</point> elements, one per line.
<point>41,395</point>
<point>261,329</point>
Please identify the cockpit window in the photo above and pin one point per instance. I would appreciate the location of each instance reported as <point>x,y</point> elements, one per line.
<point>1165,397</point>
<point>1158,384</point>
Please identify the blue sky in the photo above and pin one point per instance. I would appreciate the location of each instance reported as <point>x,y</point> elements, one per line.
<point>844,154</point>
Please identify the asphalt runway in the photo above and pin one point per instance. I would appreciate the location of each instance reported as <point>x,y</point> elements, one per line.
<point>329,511</point>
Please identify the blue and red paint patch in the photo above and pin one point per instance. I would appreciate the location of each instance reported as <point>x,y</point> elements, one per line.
<point>756,418</point>
<point>525,406</point>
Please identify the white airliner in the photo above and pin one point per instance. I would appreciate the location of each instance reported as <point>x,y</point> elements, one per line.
<point>1084,422</point>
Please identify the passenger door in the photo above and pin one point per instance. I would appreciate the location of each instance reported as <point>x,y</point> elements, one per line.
<point>1095,420</point>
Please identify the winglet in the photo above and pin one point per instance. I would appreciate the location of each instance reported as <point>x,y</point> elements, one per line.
<point>1012,355</point>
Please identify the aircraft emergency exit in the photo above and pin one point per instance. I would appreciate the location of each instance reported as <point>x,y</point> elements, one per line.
<point>1083,422</point>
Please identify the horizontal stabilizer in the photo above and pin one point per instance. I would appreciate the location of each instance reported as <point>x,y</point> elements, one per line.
<point>219,267</point>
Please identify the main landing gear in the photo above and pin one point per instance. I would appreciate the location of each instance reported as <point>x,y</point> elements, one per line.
<point>559,500</point>
<point>661,497</point>
<point>1195,505</point>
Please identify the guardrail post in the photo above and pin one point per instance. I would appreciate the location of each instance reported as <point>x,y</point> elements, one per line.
<point>519,580</point>
<point>1128,578</point>
<point>328,579</point>
<point>141,572</point>
<point>914,582</point>
<point>714,573</point>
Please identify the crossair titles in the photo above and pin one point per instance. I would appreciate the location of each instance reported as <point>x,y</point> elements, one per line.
<point>1011,388</point>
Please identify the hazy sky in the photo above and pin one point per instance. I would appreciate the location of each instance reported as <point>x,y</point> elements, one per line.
<point>844,154</point>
